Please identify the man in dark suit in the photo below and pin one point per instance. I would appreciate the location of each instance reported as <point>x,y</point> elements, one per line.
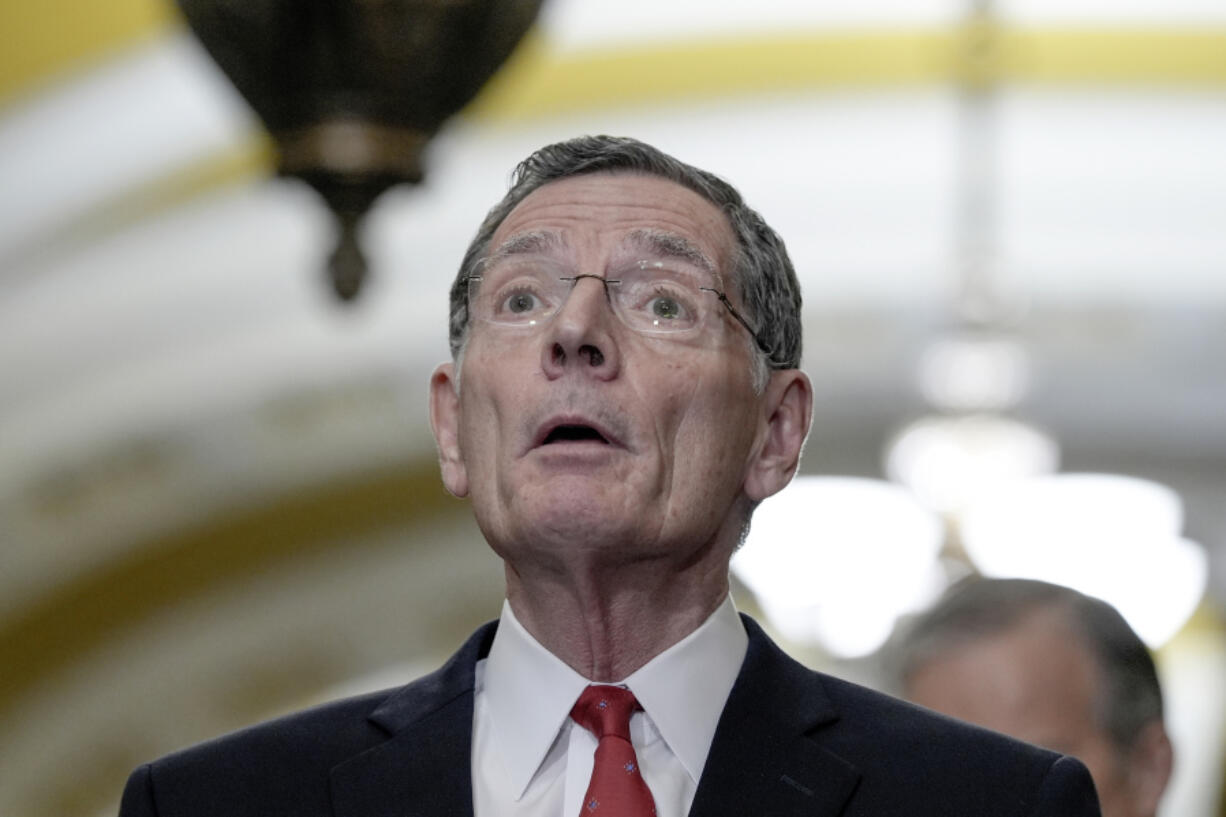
<point>624,389</point>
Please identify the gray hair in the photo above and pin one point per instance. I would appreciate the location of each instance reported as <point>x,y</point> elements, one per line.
<point>764,279</point>
<point>977,607</point>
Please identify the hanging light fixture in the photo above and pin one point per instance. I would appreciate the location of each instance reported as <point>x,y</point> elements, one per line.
<point>972,378</point>
<point>993,475</point>
<point>352,90</point>
<point>977,372</point>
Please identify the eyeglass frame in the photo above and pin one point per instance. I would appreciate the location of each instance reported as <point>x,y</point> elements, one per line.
<point>762,345</point>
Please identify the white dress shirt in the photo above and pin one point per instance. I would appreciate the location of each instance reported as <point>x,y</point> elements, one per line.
<point>530,760</point>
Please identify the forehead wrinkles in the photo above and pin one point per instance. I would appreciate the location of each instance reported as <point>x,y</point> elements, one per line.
<point>619,203</point>
<point>650,242</point>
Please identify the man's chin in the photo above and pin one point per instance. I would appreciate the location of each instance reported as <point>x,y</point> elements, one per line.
<point>566,521</point>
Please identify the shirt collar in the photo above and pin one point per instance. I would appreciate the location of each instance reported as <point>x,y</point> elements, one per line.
<point>684,688</point>
<point>530,691</point>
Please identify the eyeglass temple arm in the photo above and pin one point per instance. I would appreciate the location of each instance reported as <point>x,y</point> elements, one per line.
<point>723,299</point>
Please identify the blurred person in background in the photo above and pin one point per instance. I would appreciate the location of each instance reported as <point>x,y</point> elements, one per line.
<point>1053,667</point>
<point>624,390</point>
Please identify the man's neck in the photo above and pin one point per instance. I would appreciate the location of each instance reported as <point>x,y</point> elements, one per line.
<point>606,624</point>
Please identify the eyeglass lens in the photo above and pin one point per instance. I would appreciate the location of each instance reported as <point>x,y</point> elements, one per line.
<point>647,295</point>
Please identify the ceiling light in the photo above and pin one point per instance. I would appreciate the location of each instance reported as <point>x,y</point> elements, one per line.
<point>1110,536</point>
<point>947,461</point>
<point>835,560</point>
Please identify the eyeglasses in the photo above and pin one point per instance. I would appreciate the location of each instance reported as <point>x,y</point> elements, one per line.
<point>651,297</point>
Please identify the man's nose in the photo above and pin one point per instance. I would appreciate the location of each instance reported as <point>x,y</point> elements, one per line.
<point>582,333</point>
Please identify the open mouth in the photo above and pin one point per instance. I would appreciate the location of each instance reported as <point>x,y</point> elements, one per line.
<point>574,434</point>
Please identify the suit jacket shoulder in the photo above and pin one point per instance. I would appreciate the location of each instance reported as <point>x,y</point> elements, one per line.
<point>350,757</point>
<point>796,742</point>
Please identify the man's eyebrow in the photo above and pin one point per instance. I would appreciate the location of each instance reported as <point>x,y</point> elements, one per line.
<point>527,243</point>
<point>670,245</point>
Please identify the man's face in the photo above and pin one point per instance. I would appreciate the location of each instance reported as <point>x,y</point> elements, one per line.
<point>583,435</point>
<point>1038,683</point>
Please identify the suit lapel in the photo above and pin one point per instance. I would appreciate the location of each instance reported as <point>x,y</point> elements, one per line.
<point>762,760</point>
<point>424,768</point>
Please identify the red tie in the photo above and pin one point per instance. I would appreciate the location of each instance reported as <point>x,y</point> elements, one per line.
<point>617,789</point>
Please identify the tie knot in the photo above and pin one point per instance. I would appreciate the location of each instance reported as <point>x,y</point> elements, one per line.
<point>605,711</point>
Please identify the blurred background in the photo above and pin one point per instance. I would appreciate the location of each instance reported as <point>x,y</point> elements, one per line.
<point>218,492</point>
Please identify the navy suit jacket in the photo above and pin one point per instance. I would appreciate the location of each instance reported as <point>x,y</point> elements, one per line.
<point>790,742</point>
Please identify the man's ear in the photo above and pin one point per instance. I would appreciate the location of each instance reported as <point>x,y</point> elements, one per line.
<point>1149,766</point>
<point>787,410</point>
<point>445,423</point>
